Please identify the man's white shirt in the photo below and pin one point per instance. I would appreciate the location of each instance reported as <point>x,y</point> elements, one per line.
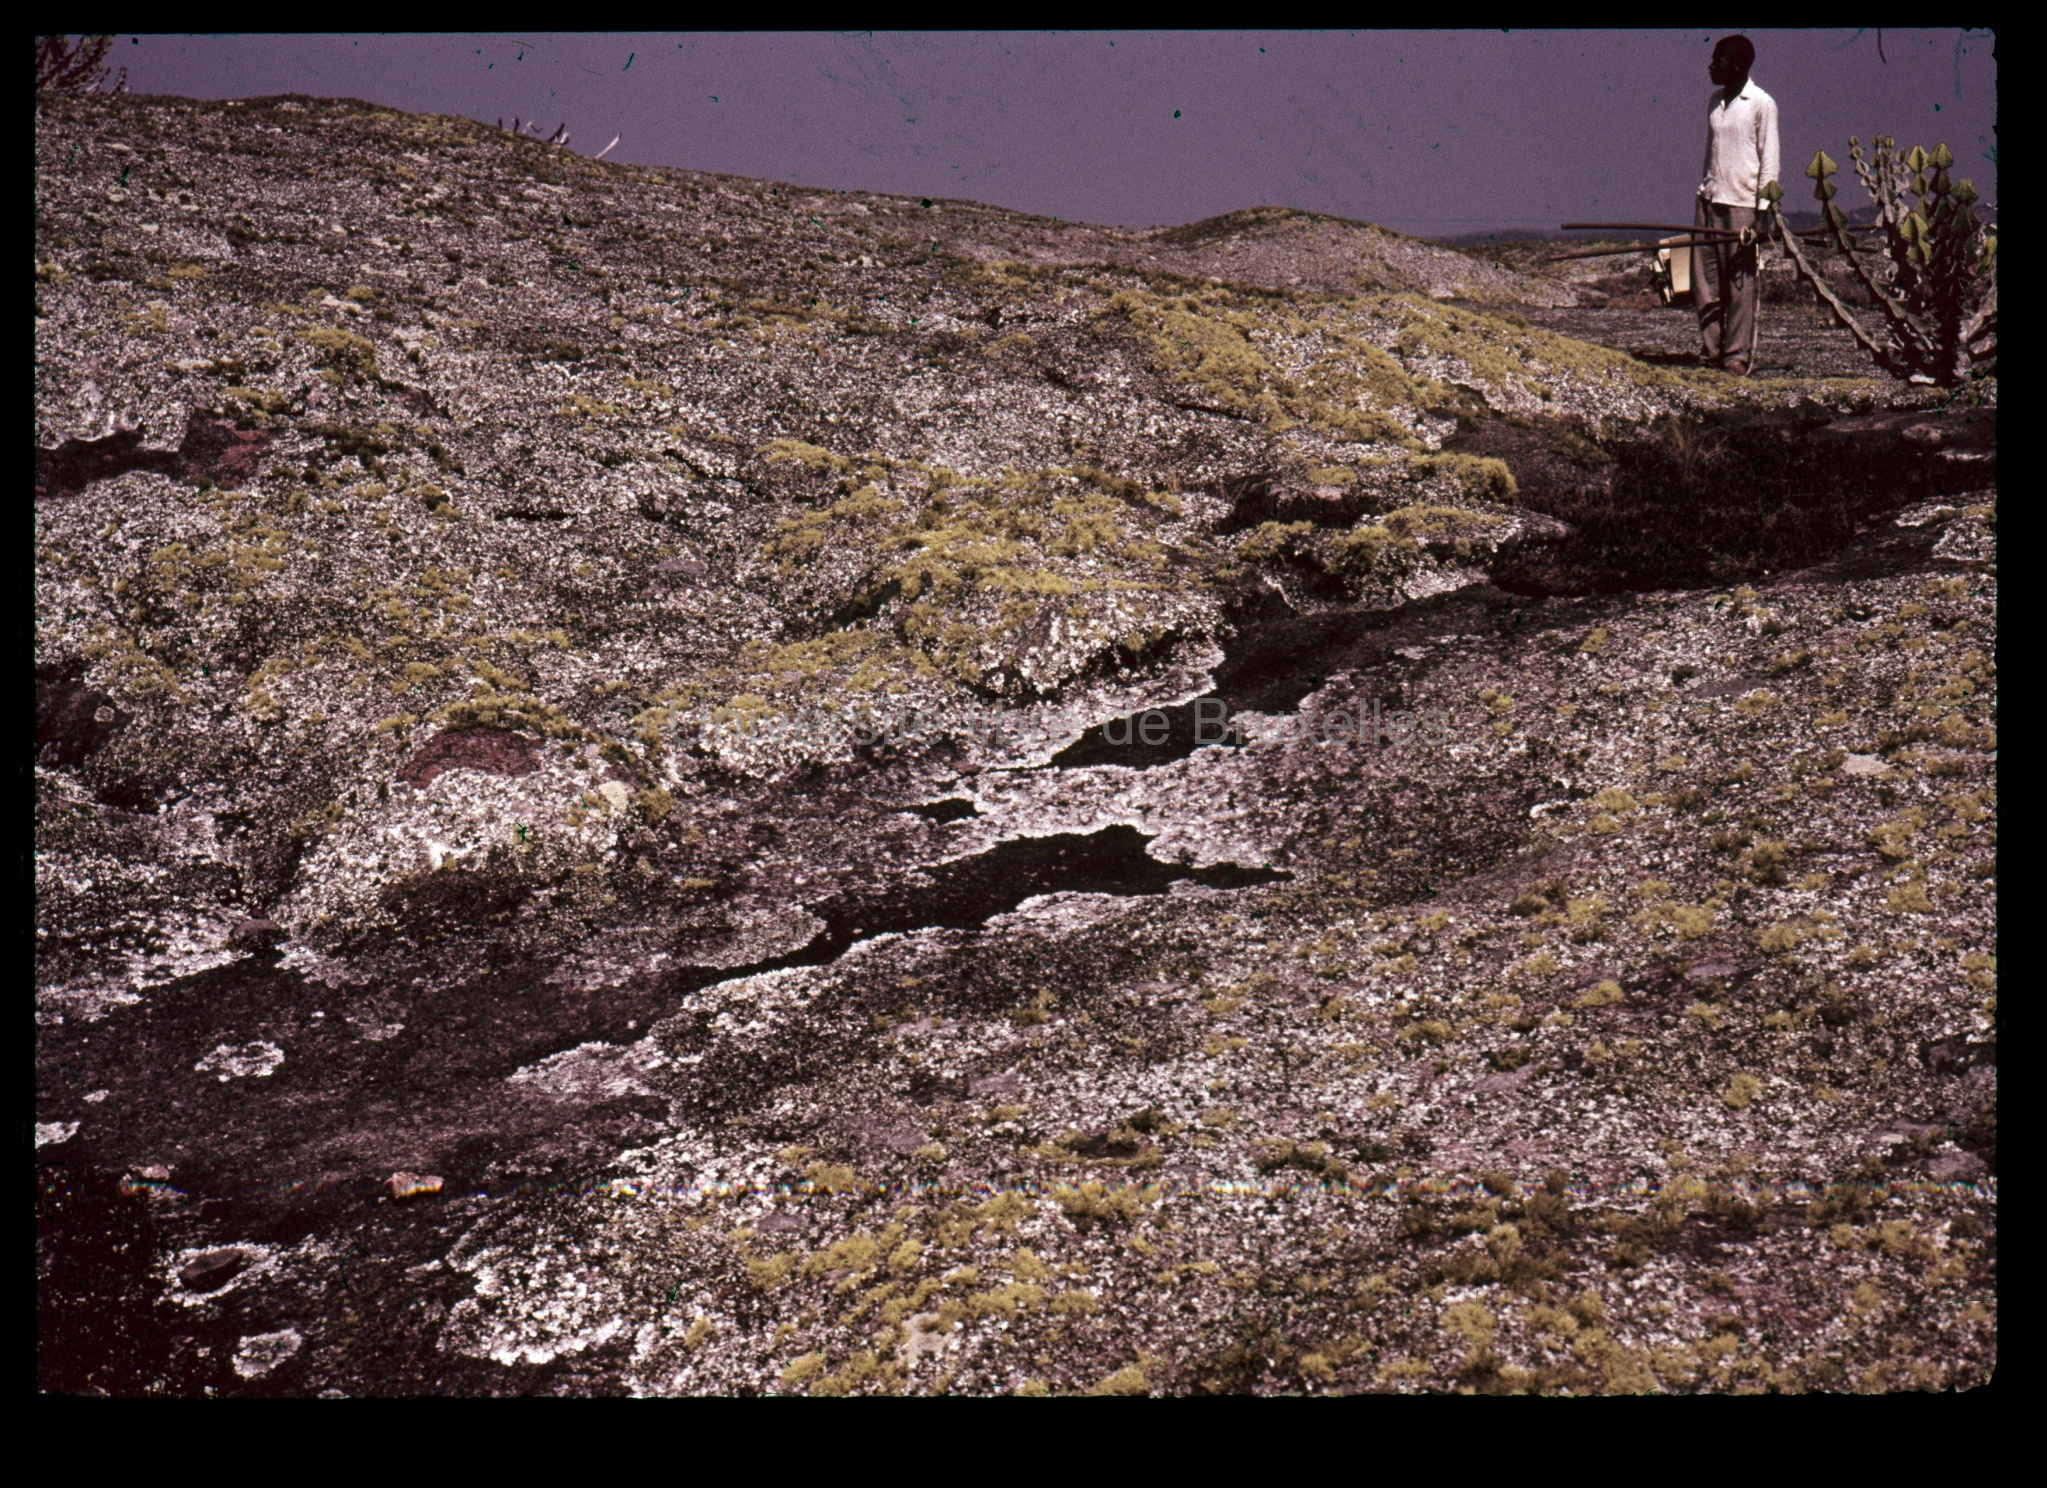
<point>1741,147</point>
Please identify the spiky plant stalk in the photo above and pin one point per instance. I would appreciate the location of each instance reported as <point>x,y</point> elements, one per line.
<point>1879,353</point>
<point>65,66</point>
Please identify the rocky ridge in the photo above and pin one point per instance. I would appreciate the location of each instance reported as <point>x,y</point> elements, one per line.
<point>482,597</point>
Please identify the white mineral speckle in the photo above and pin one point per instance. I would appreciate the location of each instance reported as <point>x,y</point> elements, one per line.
<point>259,1353</point>
<point>258,1058</point>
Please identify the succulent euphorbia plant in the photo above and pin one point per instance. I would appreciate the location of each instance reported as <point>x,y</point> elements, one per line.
<point>1938,293</point>
<point>65,66</point>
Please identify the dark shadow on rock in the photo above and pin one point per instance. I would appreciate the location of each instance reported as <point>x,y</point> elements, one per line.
<point>73,721</point>
<point>1690,503</point>
<point>967,893</point>
<point>949,810</point>
<point>438,906</point>
<point>1288,496</point>
<point>1272,664</point>
<point>213,451</point>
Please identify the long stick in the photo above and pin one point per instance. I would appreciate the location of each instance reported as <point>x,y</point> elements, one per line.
<point>1755,315</point>
<point>1722,232</point>
<point>1637,248</point>
<point>1726,232</point>
<point>1653,247</point>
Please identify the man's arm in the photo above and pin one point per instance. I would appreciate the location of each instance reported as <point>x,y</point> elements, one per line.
<point>1766,145</point>
<point>1706,168</point>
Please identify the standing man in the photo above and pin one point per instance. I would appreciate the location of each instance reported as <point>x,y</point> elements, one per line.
<point>1741,159</point>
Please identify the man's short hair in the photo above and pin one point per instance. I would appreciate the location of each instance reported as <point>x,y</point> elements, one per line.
<point>1738,49</point>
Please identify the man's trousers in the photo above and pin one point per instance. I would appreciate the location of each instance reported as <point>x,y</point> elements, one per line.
<point>1725,289</point>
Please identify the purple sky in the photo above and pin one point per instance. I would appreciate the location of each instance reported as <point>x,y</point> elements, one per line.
<point>1434,133</point>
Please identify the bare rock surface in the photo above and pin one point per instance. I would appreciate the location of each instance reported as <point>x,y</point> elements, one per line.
<point>654,783</point>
